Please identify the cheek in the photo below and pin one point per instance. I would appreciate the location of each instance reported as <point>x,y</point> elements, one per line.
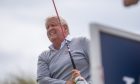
<point>47,34</point>
<point>62,30</point>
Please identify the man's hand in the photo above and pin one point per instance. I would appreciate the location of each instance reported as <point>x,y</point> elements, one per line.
<point>75,73</point>
<point>70,82</point>
<point>77,78</point>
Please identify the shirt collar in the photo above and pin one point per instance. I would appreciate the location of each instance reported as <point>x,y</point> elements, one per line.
<point>68,38</point>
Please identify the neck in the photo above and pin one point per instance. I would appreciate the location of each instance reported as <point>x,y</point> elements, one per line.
<point>57,44</point>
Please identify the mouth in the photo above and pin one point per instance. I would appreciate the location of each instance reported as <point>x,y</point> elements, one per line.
<point>52,33</point>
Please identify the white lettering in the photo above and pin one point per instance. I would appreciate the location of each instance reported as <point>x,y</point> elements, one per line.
<point>128,80</point>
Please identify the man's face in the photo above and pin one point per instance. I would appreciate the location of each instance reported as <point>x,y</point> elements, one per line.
<point>54,31</point>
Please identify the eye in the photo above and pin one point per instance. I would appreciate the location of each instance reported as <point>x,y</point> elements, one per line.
<point>53,25</point>
<point>50,25</point>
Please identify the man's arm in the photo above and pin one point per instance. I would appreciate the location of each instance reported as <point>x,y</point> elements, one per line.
<point>43,74</point>
<point>85,46</point>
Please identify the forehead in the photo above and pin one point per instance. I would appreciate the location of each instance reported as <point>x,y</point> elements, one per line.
<point>52,20</point>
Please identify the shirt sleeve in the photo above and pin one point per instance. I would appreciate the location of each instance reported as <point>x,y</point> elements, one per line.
<point>85,46</point>
<point>43,73</point>
<point>80,80</point>
<point>84,82</point>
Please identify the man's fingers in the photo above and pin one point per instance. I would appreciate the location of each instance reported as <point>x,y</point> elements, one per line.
<point>75,73</point>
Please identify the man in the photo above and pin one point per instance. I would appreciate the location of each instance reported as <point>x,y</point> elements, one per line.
<point>130,2</point>
<point>54,65</point>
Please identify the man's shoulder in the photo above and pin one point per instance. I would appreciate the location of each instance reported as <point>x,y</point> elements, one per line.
<point>80,39</point>
<point>44,54</point>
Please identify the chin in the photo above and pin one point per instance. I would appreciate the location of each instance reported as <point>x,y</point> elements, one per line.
<point>53,39</point>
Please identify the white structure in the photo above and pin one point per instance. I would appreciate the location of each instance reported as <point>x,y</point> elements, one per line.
<point>113,54</point>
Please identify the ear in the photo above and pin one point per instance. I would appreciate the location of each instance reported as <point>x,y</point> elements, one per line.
<point>66,28</point>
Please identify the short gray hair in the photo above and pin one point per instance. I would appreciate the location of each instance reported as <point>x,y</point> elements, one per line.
<point>63,21</point>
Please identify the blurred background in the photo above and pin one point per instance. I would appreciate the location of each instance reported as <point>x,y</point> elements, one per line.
<point>23,35</point>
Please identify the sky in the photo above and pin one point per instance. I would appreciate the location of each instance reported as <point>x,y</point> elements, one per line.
<point>23,35</point>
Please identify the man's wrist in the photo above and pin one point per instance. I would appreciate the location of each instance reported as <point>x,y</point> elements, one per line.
<point>70,82</point>
<point>79,78</point>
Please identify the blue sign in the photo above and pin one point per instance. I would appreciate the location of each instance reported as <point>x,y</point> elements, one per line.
<point>120,59</point>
